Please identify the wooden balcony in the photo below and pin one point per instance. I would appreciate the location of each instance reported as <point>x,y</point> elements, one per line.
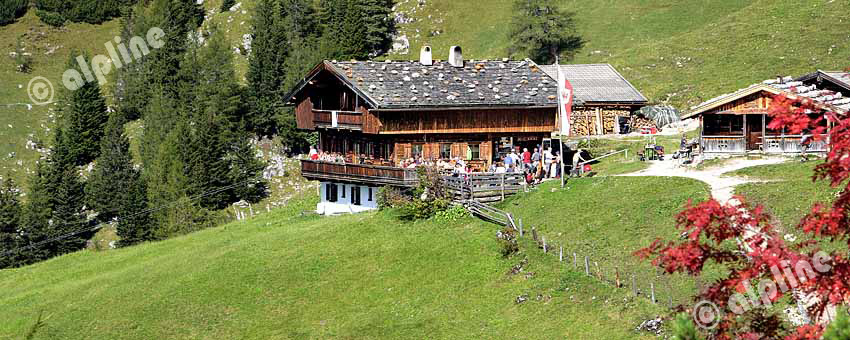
<point>358,174</point>
<point>338,119</point>
<point>724,144</point>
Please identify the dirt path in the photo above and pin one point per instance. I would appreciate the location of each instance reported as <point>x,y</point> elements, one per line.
<point>722,187</point>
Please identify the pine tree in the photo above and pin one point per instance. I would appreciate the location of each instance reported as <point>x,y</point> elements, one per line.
<point>10,218</point>
<point>356,29</point>
<point>266,67</point>
<point>134,221</point>
<point>131,90</point>
<point>68,215</point>
<point>542,31</point>
<point>84,115</point>
<point>113,169</point>
<point>36,217</point>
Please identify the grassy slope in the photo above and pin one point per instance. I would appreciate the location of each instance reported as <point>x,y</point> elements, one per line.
<point>609,219</point>
<point>723,45</point>
<point>286,276</point>
<point>791,194</point>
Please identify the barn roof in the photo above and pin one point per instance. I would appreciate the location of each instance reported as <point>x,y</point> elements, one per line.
<point>598,83</point>
<point>392,85</point>
<point>787,86</point>
<point>839,78</point>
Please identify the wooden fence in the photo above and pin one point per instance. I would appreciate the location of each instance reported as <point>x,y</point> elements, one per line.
<point>658,290</point>
<point>484,186</point>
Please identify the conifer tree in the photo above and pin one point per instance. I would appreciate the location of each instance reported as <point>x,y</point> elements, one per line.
<point>134,221</point>
<point>10,218</point>
<point>114,172</point>
<point>542,31</point>
<point>356,29</point>
<point>84,114</point>
<point>266,67</point>
<point>36,216</point>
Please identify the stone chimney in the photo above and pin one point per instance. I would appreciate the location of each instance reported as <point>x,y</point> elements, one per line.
<point>425,57</point>
<point>456,56</point>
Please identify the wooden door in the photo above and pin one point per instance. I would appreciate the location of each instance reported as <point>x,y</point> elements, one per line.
<point>486,152</point>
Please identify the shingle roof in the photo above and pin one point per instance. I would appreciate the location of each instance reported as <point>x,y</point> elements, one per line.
<point>409,84</point>
<point>841,79</point>
<point>785,85</point>
<point>597,83</point>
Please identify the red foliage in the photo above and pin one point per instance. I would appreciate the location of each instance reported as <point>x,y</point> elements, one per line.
<point>807,332</point>
<point>710,229</point>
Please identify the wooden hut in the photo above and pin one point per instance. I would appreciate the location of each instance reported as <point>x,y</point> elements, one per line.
<point>380,113</point>
<point>737,123</point>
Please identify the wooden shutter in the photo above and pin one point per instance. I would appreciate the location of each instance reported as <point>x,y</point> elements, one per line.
<point>485,152</point>
<point>459,150</point>
<point>402,151</point>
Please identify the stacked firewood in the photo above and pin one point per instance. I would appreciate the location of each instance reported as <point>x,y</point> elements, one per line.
<point>583,124</point>
<point>638,122</point>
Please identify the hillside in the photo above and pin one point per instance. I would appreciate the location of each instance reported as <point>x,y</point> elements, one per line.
<point>284,275</point>
<point>684,51</point>
<point>681,51</point>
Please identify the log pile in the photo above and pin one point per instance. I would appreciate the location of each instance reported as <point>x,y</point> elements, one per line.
<point>584,122</point>
<point>639,122</point>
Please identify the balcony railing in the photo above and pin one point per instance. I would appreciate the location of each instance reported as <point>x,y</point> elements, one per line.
<point>336,119</point>
<point>791,144</point>
<point>724,144</point>
<point>356,173</point>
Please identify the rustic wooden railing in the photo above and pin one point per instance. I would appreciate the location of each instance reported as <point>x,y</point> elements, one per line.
<point>484,186</point>
<point>344,118</point>
<point>791,144</point>
<point>357,173</point>
<point>724,144</point>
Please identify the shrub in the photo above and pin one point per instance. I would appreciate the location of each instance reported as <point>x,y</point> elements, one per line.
<point>226,4</point>
<point>840,328</point>
<point>507,239</point>
<point>420,210</point>
<point>452,214</point>
<point>51,18</point>
<point>391,197</point>
<point>430,183</point>
<point>23,61</point>
<point>11,10</point>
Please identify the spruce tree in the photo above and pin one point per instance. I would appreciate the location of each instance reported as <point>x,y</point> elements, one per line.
<point>10,218</point>
<point>356,29</point>
<point>543,31</point>
<point>266,67</point>
<point>36,217</point>
<point>84,115</point>
<point>113,169</point>
<point>68,214</point>
<point>134,221</point>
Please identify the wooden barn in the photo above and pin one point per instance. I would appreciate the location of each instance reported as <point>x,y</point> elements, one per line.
<point>737,123</point>
<point>377,114</point>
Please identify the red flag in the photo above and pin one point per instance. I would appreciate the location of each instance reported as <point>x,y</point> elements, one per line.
<point>565,101</point>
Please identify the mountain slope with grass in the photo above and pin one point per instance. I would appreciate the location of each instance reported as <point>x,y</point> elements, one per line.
<point>675,51</point>
<point>681,52</point>
<point>287,275</point>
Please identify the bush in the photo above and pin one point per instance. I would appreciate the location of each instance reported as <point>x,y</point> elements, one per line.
<point>391,197</point>
<point>452,214</point>
<point>420,210</point>
<point>51,18</point>
<point>11,10</point>
<point>507,239</point>
<point>226,4</point>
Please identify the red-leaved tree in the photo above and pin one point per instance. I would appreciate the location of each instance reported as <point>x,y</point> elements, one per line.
<point>741,238</point>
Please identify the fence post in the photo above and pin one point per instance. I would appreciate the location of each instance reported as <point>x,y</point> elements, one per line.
<point>544,244</point>
<point>652,290</point>
<point>561,255</point>
<point>617,276</point>
<point>587,266</point>
<point>503,186</point>
<point>534,234</point>
<point>598,272</point>
<point>520,228</point>
<point>575,261</point>
<point>250,210</point>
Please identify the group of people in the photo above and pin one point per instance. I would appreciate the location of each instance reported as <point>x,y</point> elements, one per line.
<point>536,166</point>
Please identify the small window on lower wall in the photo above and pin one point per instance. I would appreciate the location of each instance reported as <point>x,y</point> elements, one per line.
<point>331,192</point>
<point>343,191</point>
<point>370,194</point>
<point>355,195</point>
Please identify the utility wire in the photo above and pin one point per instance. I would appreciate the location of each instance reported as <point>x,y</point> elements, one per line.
<point>146,211</point>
